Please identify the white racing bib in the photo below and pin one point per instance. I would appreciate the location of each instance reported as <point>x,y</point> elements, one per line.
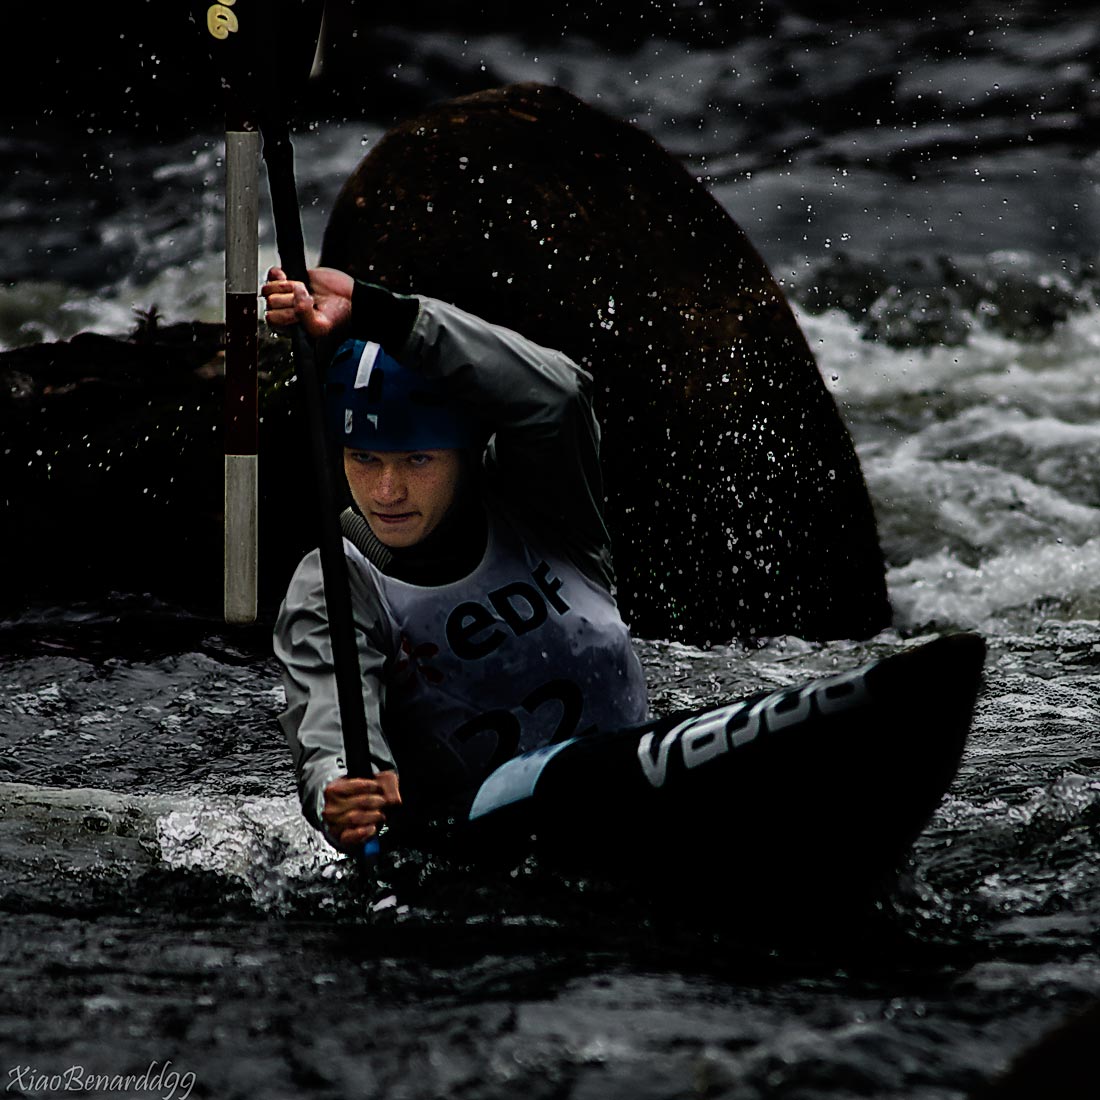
<point>526,651</point>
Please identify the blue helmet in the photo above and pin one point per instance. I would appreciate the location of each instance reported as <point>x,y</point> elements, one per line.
<point>374,403</point>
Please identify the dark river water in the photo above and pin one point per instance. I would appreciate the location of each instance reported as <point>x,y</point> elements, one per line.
<point>925,187</point>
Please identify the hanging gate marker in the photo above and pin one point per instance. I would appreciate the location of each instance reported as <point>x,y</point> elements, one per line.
<point>241,427</point>
<point>220,20</point>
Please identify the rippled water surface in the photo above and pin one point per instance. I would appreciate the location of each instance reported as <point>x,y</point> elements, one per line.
<point>200,907</point>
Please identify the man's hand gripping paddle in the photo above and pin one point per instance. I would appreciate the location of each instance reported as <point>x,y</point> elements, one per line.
<point>262,53</point>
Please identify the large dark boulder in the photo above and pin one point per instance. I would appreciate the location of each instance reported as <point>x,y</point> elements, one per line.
<point>735,497</point>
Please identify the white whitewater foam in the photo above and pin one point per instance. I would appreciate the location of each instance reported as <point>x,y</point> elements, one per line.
<point>1004,594</point>
<point>262,842</point>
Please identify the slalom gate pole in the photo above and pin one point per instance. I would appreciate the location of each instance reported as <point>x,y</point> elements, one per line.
<point>242,179</point>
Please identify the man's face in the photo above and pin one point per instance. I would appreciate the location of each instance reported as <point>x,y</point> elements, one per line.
<point>403,494</point>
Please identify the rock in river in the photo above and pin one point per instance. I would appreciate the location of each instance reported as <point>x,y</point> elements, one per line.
<point>735,497</point>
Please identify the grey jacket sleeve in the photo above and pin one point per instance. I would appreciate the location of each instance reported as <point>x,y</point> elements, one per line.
<point>311,721</point>
<point>543,460</point>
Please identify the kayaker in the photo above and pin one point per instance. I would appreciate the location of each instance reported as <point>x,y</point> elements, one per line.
<point>481,579</point>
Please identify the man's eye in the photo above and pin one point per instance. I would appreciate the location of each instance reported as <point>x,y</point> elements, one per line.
<point>363,459</point>
<point>419,459</point>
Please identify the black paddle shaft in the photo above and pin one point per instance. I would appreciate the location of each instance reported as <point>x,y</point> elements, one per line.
<point>279,158</point>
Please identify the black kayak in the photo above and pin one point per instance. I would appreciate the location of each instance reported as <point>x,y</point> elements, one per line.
<point>814,789</point>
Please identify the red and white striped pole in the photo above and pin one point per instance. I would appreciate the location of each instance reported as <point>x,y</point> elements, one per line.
<point>242,179</point>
